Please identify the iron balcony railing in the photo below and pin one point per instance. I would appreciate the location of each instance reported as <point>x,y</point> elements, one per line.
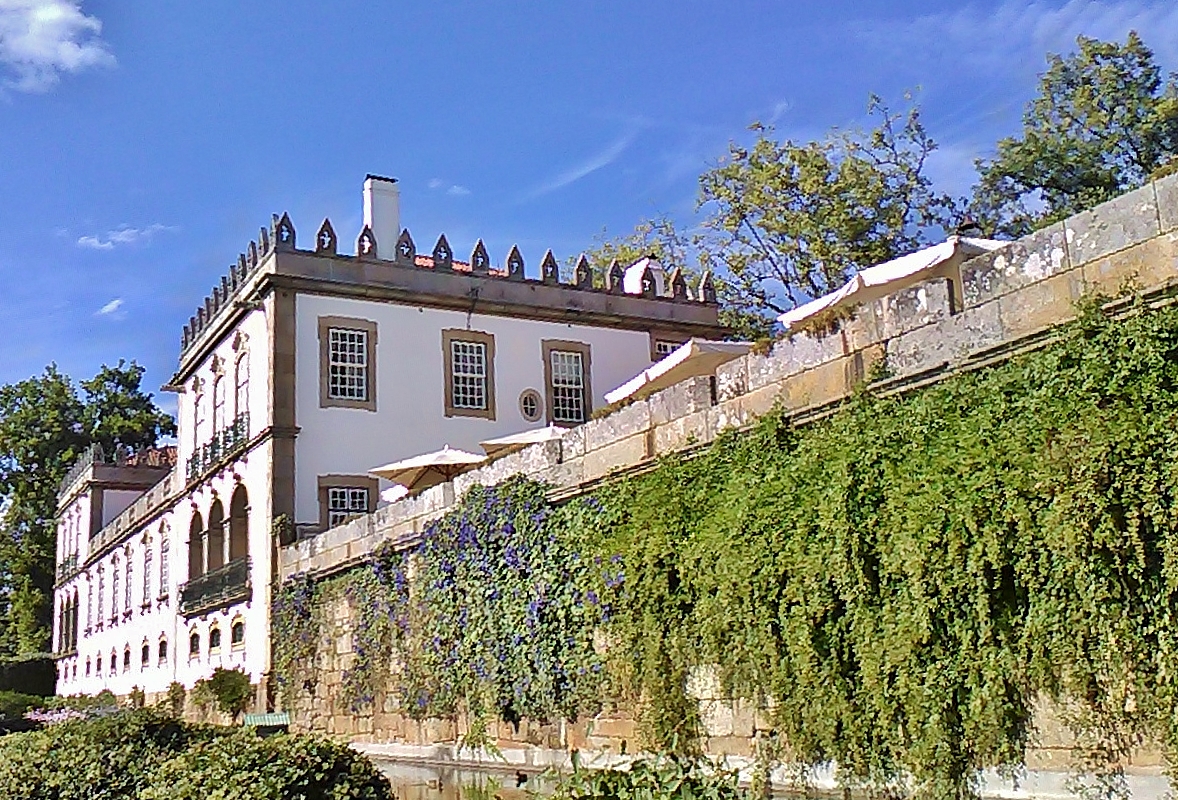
<point>221,587</point>
<point>67,567</point>
<point>224,444</point>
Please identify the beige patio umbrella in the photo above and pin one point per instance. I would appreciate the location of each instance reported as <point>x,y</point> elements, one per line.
<point>421,472</point>
<point>517,441</point>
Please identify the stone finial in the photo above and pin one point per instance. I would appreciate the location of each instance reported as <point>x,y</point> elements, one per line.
<point>707,288</point>
<point>480,262</point>
<point>185,338</point>
<point>515,264</point>
<point>234,279</point>
<point>263,241</point>
<point>583,273</point>
<point>242,264</point>
<point>678,284</point>
<point>326,243</point>
<point>224,288</point>
<point>208,308</point>
<point>615,278</point>
<point>366,245</point>
<point>202,315</point>
<point>284,233</point>
<point>549,270</point>
<point>406,252</point>
<point>251,256</point>
<point>443,255</point>
<point>648,285</point>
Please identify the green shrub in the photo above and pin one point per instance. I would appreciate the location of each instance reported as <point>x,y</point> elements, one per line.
<point>665,777</point>
<point>146,755</point>
<point>175,701</point>
<point>230,689</point>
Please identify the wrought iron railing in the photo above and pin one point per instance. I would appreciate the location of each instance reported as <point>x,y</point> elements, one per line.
<point>221,587</point>
<point>68,566</point>
<point>224,444</point>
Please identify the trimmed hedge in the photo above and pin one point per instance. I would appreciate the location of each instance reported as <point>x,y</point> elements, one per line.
<point>146,755</point>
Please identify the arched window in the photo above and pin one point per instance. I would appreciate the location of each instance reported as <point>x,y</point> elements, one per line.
<point>87,668</point>
<point>127,658</point>
<point>215,640</point>
<point>239,524</point>
<point>241,385</point>
<point>218,404</point>
<point>75,614</point>
<point>237,634</point>
<point>98,665</point>
<point>162,655</point>
<point>114,663</point>
<point>196,547</point>
<point>145,655</point>
<point>89,605</point>
<point>215,537</point>
<point>194,645</point>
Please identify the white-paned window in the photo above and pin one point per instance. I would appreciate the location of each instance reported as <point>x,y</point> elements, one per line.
<point>98,610</point>
<point>345,501</point>
<point>347,354</point>
<point>663,348</point>
<point>241,385</point>
<point>568,386</point>
<point>468,362</point>
<point>218,404</point>
<point>198,416</point>
<point>147,552</point>
<point>114,589</point>
<point>127,588</point>
<point>165,575</point>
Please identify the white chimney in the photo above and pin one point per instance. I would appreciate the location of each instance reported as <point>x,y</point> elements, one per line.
<point>382,213</point>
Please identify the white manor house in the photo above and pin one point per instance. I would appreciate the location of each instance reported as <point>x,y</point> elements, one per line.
<point>302,371</point>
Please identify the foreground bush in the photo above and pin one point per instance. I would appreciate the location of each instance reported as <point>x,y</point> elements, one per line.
<point>665,777</point>
<point>145,755</point>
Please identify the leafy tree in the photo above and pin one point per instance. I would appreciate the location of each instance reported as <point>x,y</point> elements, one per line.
<point>44,426</point>
<point>1104,121</point>
<point>790,222</point>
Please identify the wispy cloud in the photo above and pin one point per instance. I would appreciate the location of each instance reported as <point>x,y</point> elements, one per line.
<point>124,234</point>
<point>587,167</point>
<point>41,39</point>
<point>1017,33</point>
<point>452,189</point>
<point>110,308</point>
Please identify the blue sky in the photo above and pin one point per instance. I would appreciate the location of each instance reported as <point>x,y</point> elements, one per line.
<point>142,144</point>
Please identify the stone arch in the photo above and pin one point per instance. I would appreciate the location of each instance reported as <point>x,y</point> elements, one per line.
<point>215,537</point>
<point>196,547</point>
<point>239,524</point>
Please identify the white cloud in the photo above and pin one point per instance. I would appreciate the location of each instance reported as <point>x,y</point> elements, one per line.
<point>110,308</point>
<point>452,189</point>
<point>587,167</point>
<point>41,39</point>
<point>1017,33</point>
<point>124,234</point>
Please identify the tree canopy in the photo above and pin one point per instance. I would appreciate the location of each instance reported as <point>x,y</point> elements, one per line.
<point>1103,122</point>
<point>45,424</point>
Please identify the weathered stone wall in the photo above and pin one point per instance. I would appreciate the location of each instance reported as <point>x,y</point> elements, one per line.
<point>1012,299</point>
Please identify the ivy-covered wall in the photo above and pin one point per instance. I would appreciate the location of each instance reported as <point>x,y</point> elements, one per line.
<point>895,588</point>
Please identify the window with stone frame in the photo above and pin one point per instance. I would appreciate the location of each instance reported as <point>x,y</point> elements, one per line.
<point>145,656</point>
<point>469,370</point>
<point>89,606</point>
<point>114,663</point>
<point>127,658</point>
<point>114,589</point>
<point>127,593</point>
<point>147,553</point>
<point>347,363</point>
<point>162,652</point>
<point>194,645</point>
<point>165,573</point>
<point>566,373</point>
<point>215,640</point>
<point>199,435</point>
<point>344,496</point>
<point>219,422</point>
<point>237,634</point>
<point>101,594</point>
<point>241,385</point>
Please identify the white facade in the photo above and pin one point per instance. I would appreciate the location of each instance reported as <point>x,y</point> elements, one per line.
<point>163,576</point>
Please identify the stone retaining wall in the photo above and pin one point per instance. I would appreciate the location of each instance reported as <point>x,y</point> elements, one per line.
<point>1010,300</point>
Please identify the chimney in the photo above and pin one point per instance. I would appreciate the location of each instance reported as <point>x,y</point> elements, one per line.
<point>382,213</point>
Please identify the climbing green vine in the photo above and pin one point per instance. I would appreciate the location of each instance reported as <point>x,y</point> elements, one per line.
<point>895,586</point>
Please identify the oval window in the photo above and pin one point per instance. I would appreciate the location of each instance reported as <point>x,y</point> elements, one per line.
<point>530,405</point>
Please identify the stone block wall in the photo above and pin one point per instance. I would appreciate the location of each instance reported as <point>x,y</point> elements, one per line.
<point>1012,298</point>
